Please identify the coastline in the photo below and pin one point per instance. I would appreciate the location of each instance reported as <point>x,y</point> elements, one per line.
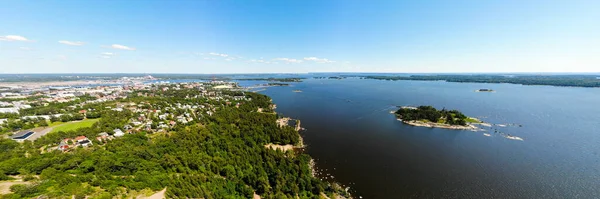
<point>470,127</point>
<point>340,193</point>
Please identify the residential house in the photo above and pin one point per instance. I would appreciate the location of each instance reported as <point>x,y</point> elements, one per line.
<point>64,145</point>
<point>82,141</point>
<point>104,137</point>
<point>162,117</point>
<point>118,133</point>
<point>127,127</point>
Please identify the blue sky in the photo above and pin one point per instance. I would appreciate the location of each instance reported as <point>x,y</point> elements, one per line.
<point>228,36</point>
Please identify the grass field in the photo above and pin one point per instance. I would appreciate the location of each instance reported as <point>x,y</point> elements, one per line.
<point>472,120</point>
<point>74,125</point>
<point>53,124</point>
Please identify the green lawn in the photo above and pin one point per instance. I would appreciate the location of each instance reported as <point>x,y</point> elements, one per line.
<point>472,120</point>
<point>53,124</point>
<point>74,125</point>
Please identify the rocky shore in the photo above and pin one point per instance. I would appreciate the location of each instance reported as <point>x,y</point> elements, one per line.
<point>439,125</point>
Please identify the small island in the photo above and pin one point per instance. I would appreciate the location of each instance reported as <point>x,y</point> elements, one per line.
<point>484,90</point>
<point>277,84</point>
<point>297,91</point>
<point>428,116</point>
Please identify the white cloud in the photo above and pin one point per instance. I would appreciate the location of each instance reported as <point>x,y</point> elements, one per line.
<point>288,60</point>
<point>218,54</point>
<point>318,60</point>
<point>71,43</point>
<point>260,61</point>
<point>107,55</point>
<point>13,38</point>
<point>121,47</point>
<point>24,48</point>
<point>62,57</point>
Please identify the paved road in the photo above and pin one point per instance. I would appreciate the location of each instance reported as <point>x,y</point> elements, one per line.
<point>41,133</point>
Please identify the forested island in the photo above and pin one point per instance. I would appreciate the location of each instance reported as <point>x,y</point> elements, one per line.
<point>271,79</point>
<point>551,80</point>
<point>188,139</point>
<point>431,117</point>
<point>277,84</point>
<point>330,77</point>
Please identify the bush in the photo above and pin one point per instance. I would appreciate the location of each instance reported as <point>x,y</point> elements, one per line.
<point>23,190</point>
<point>29,177</point>
<point>3,176</point>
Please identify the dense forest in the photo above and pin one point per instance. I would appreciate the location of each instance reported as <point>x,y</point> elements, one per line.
<point>277,84</point>
<point>452,117</point>
<point>551,80</point>
<point>218,156</point>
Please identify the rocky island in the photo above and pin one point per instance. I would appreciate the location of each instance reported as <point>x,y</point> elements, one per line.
<point>484,90</point>
<point>428,116</point>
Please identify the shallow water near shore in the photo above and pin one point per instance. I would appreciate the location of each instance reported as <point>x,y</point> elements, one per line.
<point>351,134</point>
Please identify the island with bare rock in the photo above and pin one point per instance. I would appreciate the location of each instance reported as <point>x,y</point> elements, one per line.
<point>428,116</point>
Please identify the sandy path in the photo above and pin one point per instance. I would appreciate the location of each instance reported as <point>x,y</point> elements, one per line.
<point>157,195</point>
<point>5,186</point>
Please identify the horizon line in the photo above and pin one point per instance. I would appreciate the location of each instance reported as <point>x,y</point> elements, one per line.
<point>275,73</point>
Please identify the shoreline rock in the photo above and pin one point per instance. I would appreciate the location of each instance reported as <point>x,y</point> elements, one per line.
<point>438,125</point>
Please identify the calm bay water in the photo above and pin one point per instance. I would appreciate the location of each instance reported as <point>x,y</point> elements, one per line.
<point>352,136</point>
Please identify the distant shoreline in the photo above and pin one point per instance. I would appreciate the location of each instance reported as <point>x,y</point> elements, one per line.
<point>586,81</point>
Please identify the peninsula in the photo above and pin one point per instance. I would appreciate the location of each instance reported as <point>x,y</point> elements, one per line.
<point>184,140</point>
<point>428,116</point>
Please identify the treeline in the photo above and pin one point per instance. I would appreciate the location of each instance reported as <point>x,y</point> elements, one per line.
<point>40,108</point>
<point>452,117</point>
<point>9,115</point>
<point>27,123</point>
<point>59,111</point>
<point>273,79</point>
<point>551,80</point>
<point>36,97</point>
<point>277,84</point>
<point>221,157</point>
